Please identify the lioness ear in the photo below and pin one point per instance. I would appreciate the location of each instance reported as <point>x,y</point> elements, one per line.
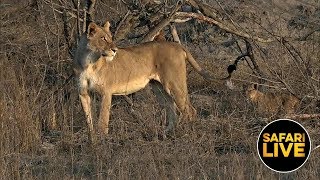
<point>92,29</point>
<point>106,27</point>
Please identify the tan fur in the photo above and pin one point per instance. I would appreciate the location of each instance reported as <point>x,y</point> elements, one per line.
<point>160,36</point>
<point>271,103</point>
<point>130,69</point>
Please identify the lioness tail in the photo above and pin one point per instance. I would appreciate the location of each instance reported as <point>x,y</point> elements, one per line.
<point>195,64</point>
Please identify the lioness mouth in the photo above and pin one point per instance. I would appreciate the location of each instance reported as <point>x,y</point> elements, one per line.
<point>109,58</point>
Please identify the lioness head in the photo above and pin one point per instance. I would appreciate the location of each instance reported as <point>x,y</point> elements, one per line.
<point>100,40</point>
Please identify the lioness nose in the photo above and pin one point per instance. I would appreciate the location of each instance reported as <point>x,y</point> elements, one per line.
<point>114,49</point>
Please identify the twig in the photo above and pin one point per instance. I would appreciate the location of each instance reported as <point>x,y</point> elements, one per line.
<point>66,32</point>
<point>69,13</point>
<point>304,38</point>
<point>248,53</point>
<point>251,82</point>
<point>181,20</point>
<point>252,58</point>
<point>263,78</point>
<point>78,18</point>
<point>63,7</point>
<point>84,25</point>
<point>122,22</point>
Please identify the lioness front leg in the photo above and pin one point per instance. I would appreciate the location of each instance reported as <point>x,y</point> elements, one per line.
<point>86,105</point>
<point>105,114</point>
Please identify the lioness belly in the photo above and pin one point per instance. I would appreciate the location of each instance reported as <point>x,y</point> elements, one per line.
<point>132,85</point>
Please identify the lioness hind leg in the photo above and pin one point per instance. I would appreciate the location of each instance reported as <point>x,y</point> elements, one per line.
<point>166,102</point>
<point>181,98</point>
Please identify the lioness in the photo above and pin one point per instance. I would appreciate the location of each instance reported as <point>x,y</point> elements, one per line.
<point>100,66</point>
<point>270,103</point>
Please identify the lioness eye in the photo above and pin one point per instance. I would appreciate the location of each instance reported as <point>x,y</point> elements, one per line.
<point>104,38</point>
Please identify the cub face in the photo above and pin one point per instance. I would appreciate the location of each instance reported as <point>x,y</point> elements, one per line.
<point>252,92</point>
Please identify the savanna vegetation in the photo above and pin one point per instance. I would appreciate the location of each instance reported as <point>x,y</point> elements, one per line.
<point>43,132</point>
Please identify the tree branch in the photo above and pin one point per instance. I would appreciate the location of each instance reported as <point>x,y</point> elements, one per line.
<point>91,10</point>
<point>174,33</point>
<point>163,23</point>
<point>209,20</point>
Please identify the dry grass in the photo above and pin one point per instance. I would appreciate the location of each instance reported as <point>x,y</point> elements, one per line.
<point>42,130</point>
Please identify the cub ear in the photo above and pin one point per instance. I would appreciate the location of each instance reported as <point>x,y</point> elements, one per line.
<point>106,27</point>
<point>92,29</point>
<point>255,86</point>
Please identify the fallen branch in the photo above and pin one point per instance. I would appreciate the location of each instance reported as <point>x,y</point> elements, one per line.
<point>303,116</point>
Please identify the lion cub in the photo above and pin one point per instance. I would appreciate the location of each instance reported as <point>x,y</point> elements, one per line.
<point>271,103</point>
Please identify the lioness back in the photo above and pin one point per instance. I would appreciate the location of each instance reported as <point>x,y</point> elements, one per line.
<point>157,49</point>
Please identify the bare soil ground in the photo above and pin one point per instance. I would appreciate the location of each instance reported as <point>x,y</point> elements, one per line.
<point>43,131</point>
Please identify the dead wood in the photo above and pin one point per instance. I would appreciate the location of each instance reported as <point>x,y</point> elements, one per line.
<point>163,23</point>
<point>184,15</point>
<point>91,10</point>
<point>78,18</point>
<point>174,33</point>
<point>248,53</point>
<point>210,15</point>
<point>134,18</point>
<point>129,22</point>
<point>204,9</point>
<point>121,24</point>
<point>303,116</point>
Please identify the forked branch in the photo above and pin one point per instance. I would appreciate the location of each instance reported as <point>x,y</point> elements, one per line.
<point>163,23</point>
